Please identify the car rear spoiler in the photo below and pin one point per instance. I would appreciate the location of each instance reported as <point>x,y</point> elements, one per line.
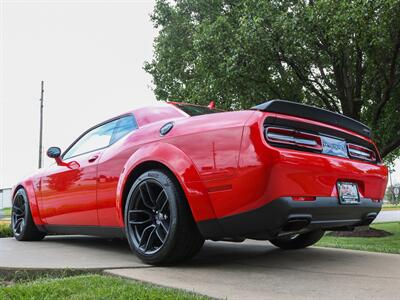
<point>315,114</point>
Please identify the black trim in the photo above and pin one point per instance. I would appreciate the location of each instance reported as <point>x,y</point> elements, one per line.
<point>319,130</point>
<point>314,113</point>
<point>279,215</point>
<point>102,231</point>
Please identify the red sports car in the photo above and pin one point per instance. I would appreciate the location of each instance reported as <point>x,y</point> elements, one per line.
<point>170,176</point>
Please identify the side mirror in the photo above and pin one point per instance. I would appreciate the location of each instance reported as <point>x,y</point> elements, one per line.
<point>54,152</point>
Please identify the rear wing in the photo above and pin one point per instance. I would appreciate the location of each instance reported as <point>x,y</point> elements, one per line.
<point>315,114</point>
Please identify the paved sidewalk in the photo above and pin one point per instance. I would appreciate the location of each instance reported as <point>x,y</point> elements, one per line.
<point>388,216</point>
<point>251,270</point>
<point>59,252</point>
<point>258,271</point>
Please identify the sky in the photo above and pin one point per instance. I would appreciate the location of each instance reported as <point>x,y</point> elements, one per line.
<point>90,55</point>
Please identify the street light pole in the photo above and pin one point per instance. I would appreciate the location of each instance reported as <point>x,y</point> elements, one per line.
<point>41,126</point>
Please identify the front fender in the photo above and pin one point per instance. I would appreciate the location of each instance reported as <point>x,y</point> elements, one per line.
<point>28,185</point>
<point>183,169</point>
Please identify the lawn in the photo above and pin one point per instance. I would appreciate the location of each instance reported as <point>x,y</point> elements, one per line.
<point>94,286</point>
<point>389,244</point>
<point>7,211</point>
<point>387,207</point>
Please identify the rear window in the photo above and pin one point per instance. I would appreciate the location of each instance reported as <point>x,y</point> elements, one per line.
<point>193,110</point>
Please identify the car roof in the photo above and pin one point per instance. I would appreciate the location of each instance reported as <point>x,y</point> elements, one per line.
<point>157,112</point>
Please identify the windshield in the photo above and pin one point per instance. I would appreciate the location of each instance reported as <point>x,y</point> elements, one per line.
<point>194,110</point>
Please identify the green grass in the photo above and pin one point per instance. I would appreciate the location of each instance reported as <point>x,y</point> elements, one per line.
<point>389,244</point>
<point>10,276</point>
<point>387,207</point>
<point>7,211</point>
<point>90,287</point>
<point>5,230</point>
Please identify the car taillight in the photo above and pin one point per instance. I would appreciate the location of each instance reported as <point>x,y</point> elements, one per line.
<point>360,152</point>
<point>293,137</point>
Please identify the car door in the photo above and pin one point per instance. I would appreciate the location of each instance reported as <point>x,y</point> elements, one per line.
<point>110,167</point>
<point>69,192</point>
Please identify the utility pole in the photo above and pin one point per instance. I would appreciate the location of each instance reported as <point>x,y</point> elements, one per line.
<point>41,126</point>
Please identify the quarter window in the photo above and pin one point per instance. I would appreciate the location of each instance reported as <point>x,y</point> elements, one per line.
<point>124,126</point>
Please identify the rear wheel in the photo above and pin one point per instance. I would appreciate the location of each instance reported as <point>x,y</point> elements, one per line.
<point>158,221</point>
<point>23,227</point>
<point>298,241</point>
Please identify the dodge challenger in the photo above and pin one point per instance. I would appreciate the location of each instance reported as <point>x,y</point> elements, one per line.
<point>170,176</point>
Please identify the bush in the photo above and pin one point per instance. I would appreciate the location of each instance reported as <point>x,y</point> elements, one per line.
<point>5,230</point>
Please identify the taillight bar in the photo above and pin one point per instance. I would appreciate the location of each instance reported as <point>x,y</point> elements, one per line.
<point>309,141</point>
<point>360,152</point>
<point>293,137</point>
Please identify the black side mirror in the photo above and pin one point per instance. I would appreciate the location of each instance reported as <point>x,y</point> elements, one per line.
<point>54,152</point>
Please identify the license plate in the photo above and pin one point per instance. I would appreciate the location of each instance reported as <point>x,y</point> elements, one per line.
<point>333,146</point>
<point>348,193</point>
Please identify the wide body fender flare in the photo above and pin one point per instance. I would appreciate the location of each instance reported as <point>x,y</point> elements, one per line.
<point>181,166</point>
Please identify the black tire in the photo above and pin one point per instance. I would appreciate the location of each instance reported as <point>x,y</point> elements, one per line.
<point>298,241</point>
<point>156,201</point>
<point>22,224</point>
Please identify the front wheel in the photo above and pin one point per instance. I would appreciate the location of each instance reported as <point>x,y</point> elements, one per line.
<point>298,241</point>
<point>158,221</point>
<point>23,226</point>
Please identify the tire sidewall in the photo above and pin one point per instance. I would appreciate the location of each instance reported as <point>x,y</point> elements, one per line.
<point>20,236</point>
<point>173,197</point>
<point>301,241</point>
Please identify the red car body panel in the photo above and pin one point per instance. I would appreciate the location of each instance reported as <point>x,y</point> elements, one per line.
<point>222,161</point>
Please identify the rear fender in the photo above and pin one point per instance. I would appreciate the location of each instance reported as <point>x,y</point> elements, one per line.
<point>183,169</point>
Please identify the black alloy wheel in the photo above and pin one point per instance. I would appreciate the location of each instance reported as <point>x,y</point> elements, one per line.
<point>158,222</point>
<point>149,216</point>
<point>18,214</point>
<point>22,224</point>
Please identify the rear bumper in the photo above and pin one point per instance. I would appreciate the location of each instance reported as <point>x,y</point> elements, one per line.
<point>283,215</point>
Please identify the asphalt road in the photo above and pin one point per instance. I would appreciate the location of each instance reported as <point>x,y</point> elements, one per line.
<point>251,270</point>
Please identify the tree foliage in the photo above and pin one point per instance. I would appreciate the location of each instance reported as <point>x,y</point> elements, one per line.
<point>337,54</point>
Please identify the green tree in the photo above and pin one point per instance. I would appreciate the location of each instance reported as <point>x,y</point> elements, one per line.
<point>337,54</point>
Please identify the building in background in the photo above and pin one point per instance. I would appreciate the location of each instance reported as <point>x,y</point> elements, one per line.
<point>5,198</point>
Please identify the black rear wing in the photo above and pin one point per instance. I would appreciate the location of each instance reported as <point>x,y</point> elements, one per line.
<point>315,114</point>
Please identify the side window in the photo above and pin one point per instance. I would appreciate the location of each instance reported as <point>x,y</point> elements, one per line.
<point>124,126</point>
<point>94,139</point>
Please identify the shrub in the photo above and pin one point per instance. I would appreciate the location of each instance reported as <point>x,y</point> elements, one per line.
<point>5,230</point>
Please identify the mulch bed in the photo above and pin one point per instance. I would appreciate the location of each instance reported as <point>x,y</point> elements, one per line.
<point>361,232</point>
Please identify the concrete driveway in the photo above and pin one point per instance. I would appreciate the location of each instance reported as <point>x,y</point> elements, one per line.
<point>251,270</point>
<point>388,216</point>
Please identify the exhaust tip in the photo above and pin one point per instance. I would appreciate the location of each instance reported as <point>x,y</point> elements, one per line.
<point>296,223</point>
<point>369,218</point>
